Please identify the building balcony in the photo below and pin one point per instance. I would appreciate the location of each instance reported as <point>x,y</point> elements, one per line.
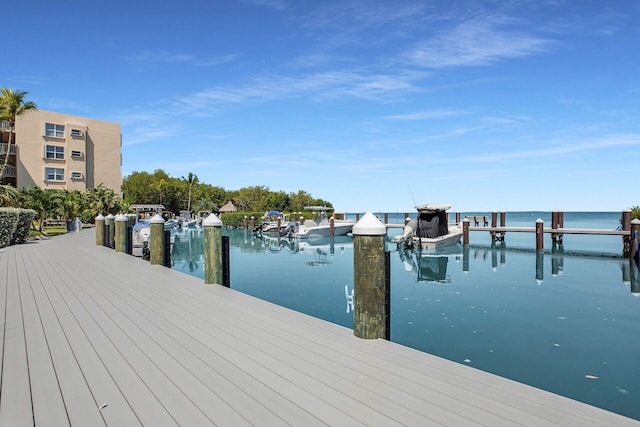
<point>10,171</point>
<point>3,148</point>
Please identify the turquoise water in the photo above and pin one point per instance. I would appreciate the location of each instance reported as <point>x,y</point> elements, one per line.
<point>566,321</point>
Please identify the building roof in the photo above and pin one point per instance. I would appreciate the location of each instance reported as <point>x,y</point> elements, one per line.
<point>228,207</point>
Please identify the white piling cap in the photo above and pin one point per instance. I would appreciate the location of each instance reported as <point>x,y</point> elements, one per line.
<point>157,219</point>
<point>110,216</point>
<point>121,217</point>
<point>369,225</point>
<point>212,221</point>
<point>100,217</point>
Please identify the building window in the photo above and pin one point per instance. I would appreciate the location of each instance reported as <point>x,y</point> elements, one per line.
<point>53,130</point>
<point>54,174</point>
<point>76,132</point>
<point>76,153</point>
<point>54,152</point>
<point>76,175</point>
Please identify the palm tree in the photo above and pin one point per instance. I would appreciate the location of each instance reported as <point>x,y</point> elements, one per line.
<point>191,180</point>
<point>12,105</point>
<point>8,195</point>
<point>47,203</point>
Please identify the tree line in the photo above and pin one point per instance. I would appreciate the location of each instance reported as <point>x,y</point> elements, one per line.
<point>175,194</point>
<point>188,193</point>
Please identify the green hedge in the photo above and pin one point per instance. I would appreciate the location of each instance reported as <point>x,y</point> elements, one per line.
<point>14,225</point>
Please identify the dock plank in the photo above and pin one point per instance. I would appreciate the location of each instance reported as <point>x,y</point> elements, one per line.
<point>85,383</point>
<point>48,404</point>
<point>15,393</point>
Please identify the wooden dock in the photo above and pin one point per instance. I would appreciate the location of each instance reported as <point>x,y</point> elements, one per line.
<point>91,337</point>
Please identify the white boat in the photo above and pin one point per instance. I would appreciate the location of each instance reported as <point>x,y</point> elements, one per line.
<point>321,226</point>
<point>140,239</point>
<point>431,230</point>
<point>269,222</point>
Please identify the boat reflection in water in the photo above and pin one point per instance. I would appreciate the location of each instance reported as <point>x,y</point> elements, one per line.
<point>321,247</point>
<point>430,265</point>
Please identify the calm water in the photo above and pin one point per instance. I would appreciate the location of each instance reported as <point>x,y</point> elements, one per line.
<point>567,321</point>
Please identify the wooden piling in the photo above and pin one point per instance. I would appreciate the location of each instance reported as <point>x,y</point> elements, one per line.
<point>634,239</point>
<point>121,223</point>
<point>332,227</point>
<point>503,221</point>
<point>465,232</point>
<point>539,235</point>
<point>369,277</point>
<point>109,221</point>
<point>626,226</point>
<point>213,273</point>
<point>253,220</point>
<point>557,221</point>
<point>245,221</point>
<point>157,240</point>
<point>626,220</point>
<point>279,223</point>
<point>99,230</point>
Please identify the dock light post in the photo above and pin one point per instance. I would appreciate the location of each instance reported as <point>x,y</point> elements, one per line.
<point>370,314</point>
<point>157,240</point>
<point>212,250</point>
<point>121,225</point>
<point>99,230</point>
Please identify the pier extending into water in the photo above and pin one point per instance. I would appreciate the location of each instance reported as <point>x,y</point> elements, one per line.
<point>95,337</point>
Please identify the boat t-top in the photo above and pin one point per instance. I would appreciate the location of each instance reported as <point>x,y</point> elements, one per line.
<point>431,230</point>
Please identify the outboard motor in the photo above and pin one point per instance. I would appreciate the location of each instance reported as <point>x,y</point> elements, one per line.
<point>407,232</point>
<point>290,229</point>
<point>146,251</point>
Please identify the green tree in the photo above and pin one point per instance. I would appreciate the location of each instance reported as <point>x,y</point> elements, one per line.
<point>190,180</point>
<point>73,204</point>
<point>8,195</point>
<point>102,200</point>
<point>139,187</point>
<point>47,203</point>
<point>12,105</point>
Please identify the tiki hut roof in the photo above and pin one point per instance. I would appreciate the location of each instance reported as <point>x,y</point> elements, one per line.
<point>228,207</point>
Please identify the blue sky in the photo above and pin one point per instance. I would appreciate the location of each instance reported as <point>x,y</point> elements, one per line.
<point>372,105</point>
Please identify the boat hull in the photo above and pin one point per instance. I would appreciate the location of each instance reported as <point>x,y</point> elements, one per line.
<point>452,238</point>
<point>339,229</point>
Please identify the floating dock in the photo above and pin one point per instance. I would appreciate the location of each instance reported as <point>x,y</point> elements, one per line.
<point>93,337</point>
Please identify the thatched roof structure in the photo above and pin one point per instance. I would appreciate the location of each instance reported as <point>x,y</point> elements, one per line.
<point>228,207</point>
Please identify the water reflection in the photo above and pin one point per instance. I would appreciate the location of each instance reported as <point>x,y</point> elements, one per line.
<point>321,248</point>
<point>430,266</point>
<point>188,249</point>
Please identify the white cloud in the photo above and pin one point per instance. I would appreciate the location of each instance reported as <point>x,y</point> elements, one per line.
<point>473,43</point>
<point>563,148</point>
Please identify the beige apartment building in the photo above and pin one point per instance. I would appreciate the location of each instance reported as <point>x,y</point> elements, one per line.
<point>60,151</point>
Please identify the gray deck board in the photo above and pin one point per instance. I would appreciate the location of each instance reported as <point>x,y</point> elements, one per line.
<point>15,394</point>
<point>48,404</point>
<point>87,326</point>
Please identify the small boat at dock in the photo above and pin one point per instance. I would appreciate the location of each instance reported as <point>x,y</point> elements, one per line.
<point>431,230</point>
<point>320,226</point>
